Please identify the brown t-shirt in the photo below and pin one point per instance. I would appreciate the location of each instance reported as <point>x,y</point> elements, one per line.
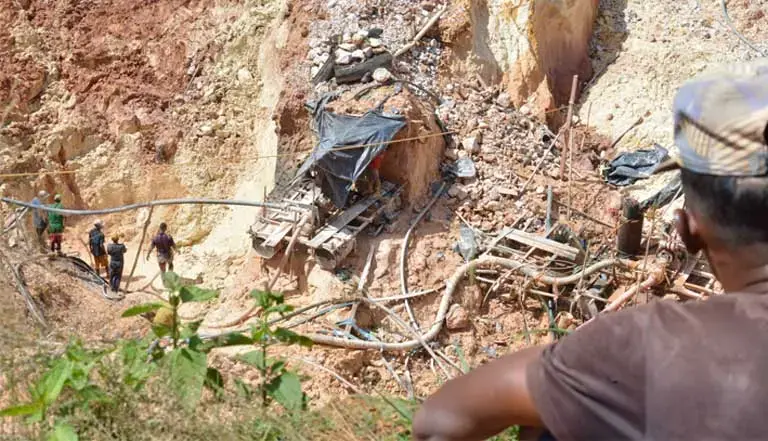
<point>663,371</point>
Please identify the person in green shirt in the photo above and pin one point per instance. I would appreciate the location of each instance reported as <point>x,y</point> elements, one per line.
<point>56,225</point>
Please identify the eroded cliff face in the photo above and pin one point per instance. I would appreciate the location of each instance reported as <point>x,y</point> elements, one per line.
<point>533,47</point>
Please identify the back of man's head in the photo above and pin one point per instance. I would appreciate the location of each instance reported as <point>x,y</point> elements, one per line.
<point>163,227</point>
<point>721,130</point>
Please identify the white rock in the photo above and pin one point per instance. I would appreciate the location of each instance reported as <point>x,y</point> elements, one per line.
<point>382,75</point>
<point>349,47</point>
<point>525,109</point>
<point>457,318</point>
<point>332,3</point>
<point>358,55</point>
<point>206,129</point>
<point>313,71</point>
<point>315,43</point>
<point>321,59</point>
<point>471,144</point>
<point>244,75</point>
<point>504,100</point>
<point>540,189</point>
<point>374,42</point>
<point>343,57</point>
<point>362,33</point>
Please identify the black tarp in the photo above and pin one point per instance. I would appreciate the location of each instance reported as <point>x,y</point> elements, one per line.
<point>629,167</point>
<point>339,168</point>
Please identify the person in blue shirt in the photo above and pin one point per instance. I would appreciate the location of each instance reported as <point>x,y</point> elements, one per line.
<point>40,218</point>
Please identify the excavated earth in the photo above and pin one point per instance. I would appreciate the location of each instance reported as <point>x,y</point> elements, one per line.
<point>114,102</point>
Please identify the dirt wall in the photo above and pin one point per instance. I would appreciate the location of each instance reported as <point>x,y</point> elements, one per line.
<point>533,47</point>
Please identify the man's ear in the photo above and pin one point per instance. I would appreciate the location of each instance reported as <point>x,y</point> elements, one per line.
<point>689,231</point>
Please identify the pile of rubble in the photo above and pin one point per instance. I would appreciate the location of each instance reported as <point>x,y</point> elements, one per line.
<point>494,136</point>
<point>366,33</point>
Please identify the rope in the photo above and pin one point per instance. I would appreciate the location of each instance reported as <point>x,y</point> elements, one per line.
<point>338,148</point>
<point>143,205</point>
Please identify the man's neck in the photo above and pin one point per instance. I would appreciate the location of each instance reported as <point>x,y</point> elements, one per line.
<point>744,270</point>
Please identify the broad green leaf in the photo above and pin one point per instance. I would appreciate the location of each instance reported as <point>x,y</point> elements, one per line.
<point>280,309</point>
<point>142,309</point>
<point>286,390</point>
<point>225,340</point>
<point>195,294</point>
<point>242,389</point>
<point>22,409</point>
<point>214,381</point>
<point>160,330</point>
<point>50,385</point>
<point>254,358</point>
<point>191,328</point>
<point>290,337</point>
<point>63,432</point>
<point>187,370</point>
<point>277,297</point>
<point>263,298</point>
<point>171,281</point>
<point>276,366</point>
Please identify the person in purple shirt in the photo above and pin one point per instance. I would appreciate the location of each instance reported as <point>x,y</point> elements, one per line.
<point>165,248</point>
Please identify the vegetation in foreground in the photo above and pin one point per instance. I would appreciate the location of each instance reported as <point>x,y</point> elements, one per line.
<point>162,387</point>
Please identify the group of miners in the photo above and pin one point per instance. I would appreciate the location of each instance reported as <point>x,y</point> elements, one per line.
<point>107,258</point>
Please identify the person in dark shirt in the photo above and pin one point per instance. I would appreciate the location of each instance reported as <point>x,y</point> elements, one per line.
<point>116,252</point>
<point>165,248</point>
<point>98,251</point>
<point>665,370</point>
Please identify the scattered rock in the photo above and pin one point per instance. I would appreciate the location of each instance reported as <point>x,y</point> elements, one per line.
<point>358,55</point>
<point>471,144</point>
<point>504,99</point>
<point>368,52</point>
<point>457,318</point>
<point>205,129</point>
<point>343,56</point>
<point>456,191</point>
<point>375,32</point>
<point>382,75</point>
<point>244,75</point>
<point>374,42</point>
<point>348,47</point>
<point>494,194</point>
<point>506,191</point>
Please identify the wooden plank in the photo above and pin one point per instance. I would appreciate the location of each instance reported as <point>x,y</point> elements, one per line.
<point>541,243</point>
<point>278,234</point>
<point>341,221</point>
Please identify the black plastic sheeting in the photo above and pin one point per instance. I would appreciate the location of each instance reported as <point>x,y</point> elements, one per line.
<point>628,168</point>
<point>338,168</point>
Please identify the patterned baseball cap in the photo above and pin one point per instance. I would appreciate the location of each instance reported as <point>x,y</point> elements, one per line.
<point>721,122</point>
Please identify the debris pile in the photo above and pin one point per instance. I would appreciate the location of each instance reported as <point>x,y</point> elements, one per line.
<point>506,146</point>
<point>359,40</point>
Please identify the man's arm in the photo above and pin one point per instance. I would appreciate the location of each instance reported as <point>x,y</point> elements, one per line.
<point>482,403</point>
<point>151,247</point>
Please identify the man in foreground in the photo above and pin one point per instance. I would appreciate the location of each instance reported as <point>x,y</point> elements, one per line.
<point>56,225</point>
<point>165,248</point>
<point>40,219</point>
<point>666,370</point>
<point>97,249</point>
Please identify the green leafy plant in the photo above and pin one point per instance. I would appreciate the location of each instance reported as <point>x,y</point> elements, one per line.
<point>277,382</point>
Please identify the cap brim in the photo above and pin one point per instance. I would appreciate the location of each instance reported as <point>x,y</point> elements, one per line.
<point>668,165</point>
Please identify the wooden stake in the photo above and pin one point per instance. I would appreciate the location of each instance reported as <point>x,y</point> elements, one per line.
<point>138,251</point>
<point>569,125</point>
